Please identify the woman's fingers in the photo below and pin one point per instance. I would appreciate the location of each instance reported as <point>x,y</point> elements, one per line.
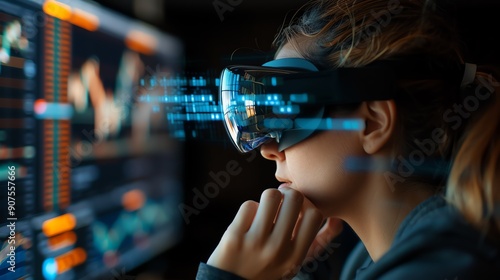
<point>244,218</point>
<point>331,229</point>
<point>234,237</point>
<point>270,201</point>
<point>288,214</point>
<point>307,227</point>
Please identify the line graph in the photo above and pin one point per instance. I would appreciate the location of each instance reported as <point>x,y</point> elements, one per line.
<point>12,39</point>
<point>130,224</point>
<point>109,106</point>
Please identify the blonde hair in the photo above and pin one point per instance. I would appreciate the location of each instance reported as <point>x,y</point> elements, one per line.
<point>350,33</point>
<point>473,184</point>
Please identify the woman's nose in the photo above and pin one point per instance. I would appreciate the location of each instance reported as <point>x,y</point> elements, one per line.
<point>270,151</point>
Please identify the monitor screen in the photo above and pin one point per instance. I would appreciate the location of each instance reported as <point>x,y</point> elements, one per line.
<point>90,173</point>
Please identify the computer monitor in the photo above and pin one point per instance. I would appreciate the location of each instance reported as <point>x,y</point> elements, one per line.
<point>90,174</point>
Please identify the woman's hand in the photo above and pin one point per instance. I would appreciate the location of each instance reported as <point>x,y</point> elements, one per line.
<point>270,239</point>
<point>331,229</point>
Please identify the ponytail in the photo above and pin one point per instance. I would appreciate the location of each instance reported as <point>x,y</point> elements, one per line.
<point>474,182</point>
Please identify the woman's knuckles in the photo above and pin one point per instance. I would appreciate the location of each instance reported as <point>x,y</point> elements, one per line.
<point>273,194</point>
<point>292,195</point>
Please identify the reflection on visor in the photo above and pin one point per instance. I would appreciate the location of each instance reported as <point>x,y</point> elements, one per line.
<point>246,105</point>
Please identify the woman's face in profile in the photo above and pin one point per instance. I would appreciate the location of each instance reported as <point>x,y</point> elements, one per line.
<point>315,166</point>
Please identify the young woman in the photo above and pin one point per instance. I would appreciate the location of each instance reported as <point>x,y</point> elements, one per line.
<point>387,181</point>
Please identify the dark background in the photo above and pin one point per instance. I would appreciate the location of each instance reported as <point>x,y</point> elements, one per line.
<point>246,34</point>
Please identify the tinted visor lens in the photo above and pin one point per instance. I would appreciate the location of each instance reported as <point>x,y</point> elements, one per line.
<point>252,113</point>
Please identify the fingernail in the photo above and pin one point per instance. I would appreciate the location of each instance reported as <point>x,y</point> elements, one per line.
<point>283,186</point>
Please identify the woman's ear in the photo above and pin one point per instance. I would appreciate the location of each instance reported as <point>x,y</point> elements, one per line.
<point>380,123</point>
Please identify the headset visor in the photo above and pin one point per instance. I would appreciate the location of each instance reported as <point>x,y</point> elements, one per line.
<point>263,103</point>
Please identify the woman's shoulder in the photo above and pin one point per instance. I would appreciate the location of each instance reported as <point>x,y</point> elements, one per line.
<point>435,242</point>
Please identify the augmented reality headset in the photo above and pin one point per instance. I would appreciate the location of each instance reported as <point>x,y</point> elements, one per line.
<point>285,99</point>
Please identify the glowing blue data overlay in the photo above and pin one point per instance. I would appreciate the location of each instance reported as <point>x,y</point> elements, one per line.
<point>299,97</point>
<point>315,124</point>
<point>288,109</point>
<point>200,117</point>
<point>341,124</point>
<point>190,98</point>
<point>261,97</point>
<point>191,106</point>
<point>196,108</point>
<point>277,98</point>
<point>188,103</point>
<point>174,81</point>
